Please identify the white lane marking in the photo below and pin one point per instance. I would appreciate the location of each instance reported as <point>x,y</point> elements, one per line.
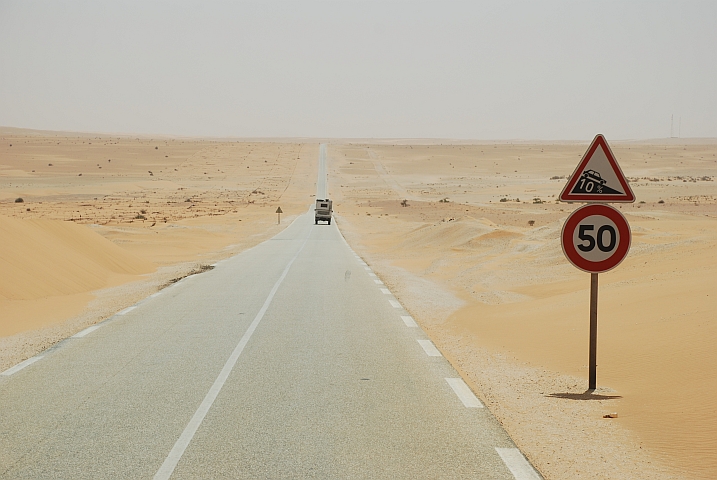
<point>86,331</point>
<point>517,464</point>
<point>394,304</point>
<point>363,263</point>
<point>386,291</point>
<point>464,392</point>
<point>21,365</point>
<point>409,321</point>
<point>371,274</point>
<point>429,348</point>
<point>367,268</point>
<point>156,294</point>
<point>170,463</point>
<point>126,310</point>
<point>378,282</point>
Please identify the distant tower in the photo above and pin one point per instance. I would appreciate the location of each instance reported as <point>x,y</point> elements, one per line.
<point>672,124</point>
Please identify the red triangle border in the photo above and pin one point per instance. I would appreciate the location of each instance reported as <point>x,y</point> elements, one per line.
<point>627,197</point>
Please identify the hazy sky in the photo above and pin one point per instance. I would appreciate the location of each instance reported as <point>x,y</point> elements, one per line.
<point>480,70</point>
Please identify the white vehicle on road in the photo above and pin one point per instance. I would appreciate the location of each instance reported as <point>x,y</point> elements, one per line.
<point>323,210</point>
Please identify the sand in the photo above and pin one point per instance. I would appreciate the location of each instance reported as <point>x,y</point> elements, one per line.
<point>105,221</point>
<point>517,325</point>
<point>485,278</point>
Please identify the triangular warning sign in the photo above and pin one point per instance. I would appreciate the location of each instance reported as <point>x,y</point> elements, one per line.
<point>598,178</point>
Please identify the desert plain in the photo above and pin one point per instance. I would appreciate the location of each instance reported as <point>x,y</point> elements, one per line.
<point>466,234</point>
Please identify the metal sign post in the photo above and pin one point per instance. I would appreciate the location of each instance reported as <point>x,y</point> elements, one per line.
<point>279,212</point>
<point>592,373</point>
<point>596,237</point>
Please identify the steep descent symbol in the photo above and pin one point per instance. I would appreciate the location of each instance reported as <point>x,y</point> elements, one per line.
<point>591,182</point>
<point>598,177</point>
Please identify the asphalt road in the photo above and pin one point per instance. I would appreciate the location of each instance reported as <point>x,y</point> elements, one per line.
<point>290,360</point>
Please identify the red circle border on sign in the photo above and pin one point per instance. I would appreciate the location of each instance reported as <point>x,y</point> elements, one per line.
<point>566,237</point>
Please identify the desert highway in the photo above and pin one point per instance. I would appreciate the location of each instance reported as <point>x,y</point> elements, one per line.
<point>289,360</point>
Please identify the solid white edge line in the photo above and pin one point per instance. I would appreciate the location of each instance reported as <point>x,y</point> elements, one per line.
<point>517,464</point>
<point>170,463</point>
<point>86,331</point>
<point>21,365</point>
<point>429,348</point>
<point>385,291</point>
<point>464,393</point>
<point>126,310</point>
<point>394,304</point>
<point>409,321</point>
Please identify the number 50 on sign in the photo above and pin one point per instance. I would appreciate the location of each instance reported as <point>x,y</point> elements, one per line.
<point>596,238</point>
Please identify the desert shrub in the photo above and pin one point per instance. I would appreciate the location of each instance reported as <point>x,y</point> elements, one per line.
<point>19,200</point>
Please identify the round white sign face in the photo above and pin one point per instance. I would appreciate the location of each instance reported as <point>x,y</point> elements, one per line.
<point>596,238</point>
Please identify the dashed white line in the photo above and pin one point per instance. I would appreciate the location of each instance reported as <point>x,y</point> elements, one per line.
<point>386,291</point>
<point>517,464</point>
<point>378,282</point>
<point>21,365</point>
<point>371,274</point>
<point>127,310</point>
<point>394,304</point>
<point>464,393</point>
<point>86,331</point>
<point>367,268</point>
<point>429,348</point>
<point>409,321</point>
<point>156,294</point>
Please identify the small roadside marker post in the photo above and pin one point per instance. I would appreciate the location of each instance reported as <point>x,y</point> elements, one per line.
<point>596,237</point>
<point>279,212</point>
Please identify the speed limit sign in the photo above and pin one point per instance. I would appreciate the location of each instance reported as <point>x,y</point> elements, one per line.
<point>596,238</point>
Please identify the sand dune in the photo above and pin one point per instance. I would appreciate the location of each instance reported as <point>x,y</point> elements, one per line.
<point>49,265</point>
<point>100,213</point>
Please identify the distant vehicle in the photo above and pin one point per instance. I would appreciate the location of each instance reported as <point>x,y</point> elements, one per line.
<point>594,176</point>
<point>323,210</point>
